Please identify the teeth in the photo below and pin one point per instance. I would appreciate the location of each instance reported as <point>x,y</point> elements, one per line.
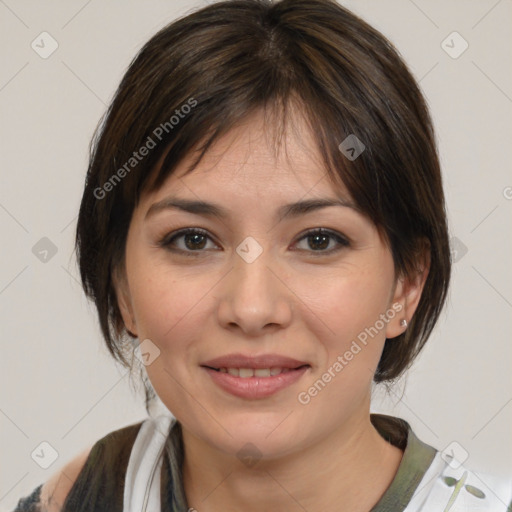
<point>245,373</point>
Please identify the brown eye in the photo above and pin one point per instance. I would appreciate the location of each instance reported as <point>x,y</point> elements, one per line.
<point>194,240</point>
<point>320,239</point>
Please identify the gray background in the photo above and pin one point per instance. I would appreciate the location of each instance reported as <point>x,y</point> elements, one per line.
<point>59,385</point>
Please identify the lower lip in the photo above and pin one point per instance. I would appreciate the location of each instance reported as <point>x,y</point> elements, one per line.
<point>255,387</point>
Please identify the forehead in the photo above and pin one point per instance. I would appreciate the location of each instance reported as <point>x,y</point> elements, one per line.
<point>256,163</point>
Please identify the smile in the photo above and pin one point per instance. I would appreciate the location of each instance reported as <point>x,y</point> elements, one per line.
<point>255,383</point>
<point>245,373</point>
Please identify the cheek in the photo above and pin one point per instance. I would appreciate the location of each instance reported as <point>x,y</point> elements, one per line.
<point>346,320</point>
<point>345,305</point>
<point>170,313</point>
<point>164,305</point>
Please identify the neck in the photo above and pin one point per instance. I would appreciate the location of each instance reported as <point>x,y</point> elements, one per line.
<point>347,471</point>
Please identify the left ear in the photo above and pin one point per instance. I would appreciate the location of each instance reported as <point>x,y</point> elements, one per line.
<point>408,292</point>
<point>124,301</point>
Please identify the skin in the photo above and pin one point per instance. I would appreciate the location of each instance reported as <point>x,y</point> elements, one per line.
<point>298,298</point>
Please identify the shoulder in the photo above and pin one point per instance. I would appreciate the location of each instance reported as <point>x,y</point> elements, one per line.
<point>475,488</point>
<point>100,467</point>
<point>463,488</point>
<point>55,490</point>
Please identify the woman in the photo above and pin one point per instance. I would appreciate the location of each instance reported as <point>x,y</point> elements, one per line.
<point>263,229</point>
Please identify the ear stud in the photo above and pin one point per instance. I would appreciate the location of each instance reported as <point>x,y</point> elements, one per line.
<point>403,322</point>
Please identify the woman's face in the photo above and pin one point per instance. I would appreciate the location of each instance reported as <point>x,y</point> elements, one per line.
<point>252,283</point>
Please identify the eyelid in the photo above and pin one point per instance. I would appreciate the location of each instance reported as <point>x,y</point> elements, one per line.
<point>169,237</point>
<point>342,240</point>
<point>339,237</point>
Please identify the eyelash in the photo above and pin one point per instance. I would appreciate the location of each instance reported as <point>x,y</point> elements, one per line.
<point>168,240</point>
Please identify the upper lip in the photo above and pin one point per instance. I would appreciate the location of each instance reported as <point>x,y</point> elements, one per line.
<point>261,361</point>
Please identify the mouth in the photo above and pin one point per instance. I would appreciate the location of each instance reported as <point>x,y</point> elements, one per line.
<point>254,377</point>
<point>246,373</point>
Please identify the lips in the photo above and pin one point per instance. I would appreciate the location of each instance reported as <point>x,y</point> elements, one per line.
<point>254,377</point>
<point>254,362</point>
<point>245,373</point>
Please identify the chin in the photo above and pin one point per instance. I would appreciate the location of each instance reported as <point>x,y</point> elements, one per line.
<point>262,438</point>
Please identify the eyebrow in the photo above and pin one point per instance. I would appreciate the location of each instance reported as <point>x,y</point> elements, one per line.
<point>213,210</point>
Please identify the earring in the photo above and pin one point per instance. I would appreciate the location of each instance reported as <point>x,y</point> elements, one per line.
<point>403,322</point>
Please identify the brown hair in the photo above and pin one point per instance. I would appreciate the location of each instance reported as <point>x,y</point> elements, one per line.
<point>232,58</point>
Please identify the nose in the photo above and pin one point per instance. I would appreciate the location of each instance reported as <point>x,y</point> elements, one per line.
<point>254,296</point>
